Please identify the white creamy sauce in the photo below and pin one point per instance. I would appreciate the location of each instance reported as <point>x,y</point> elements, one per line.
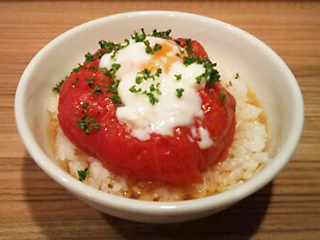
<point>168,111</point>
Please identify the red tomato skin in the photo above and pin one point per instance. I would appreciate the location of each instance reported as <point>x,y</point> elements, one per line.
<point>175,159</point>
<point>196,49</point>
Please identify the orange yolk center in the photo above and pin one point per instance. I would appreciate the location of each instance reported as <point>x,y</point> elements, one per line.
<point>162,58</point>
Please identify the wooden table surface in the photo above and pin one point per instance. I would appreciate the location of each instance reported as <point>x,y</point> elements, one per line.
<point>32,206</point>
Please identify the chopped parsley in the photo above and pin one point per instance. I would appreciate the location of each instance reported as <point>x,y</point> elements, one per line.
<point>90,81</point>
<point>111,72</point>
<point>152,88</point>
<point>134,90</point>
<point>114,87</point>
<point>76,69</point>
<point>85,105</point>
<point>223,97</point>
<point>57,87</point>
<point>158,72</point>
<point>116,99</point>
<point>97,90</point>
<point>118,47</point>
<point>139,37</point>
<point>211,75</point>
<point>178,77</point>
<point>83,174</point>
<point>149,49</point>
<point>115,83</point>
<point>139,79</point>
<point>188,46</point>
<point>164,35</point>
<point>179,92</point>
<point>145,74</point>
<point>187,43</point>
<point>157,47</point>
<point>87,124</point>
<point>89,58</point>
<point>75,83</point>
<point>151,97</point>
<point>155,88</point>
<point>189,60</point>
<point>115,67</point>
<point>106,47</point>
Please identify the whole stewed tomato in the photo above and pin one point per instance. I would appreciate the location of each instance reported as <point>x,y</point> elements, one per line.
<point>87,116</point>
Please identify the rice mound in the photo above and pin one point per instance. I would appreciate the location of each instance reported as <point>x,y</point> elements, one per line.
<point>246,156</point>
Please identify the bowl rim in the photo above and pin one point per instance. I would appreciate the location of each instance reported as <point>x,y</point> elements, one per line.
<point>159,208</point>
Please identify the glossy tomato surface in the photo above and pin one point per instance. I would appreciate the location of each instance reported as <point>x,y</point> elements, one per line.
<point>87,116</point>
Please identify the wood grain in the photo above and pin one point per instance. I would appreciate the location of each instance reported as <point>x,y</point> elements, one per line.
<point>32,206</point>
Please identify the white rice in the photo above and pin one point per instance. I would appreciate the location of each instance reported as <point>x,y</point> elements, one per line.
<point>246,155</point>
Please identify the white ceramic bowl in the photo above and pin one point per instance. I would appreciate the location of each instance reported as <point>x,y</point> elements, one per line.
<point>265,73</point>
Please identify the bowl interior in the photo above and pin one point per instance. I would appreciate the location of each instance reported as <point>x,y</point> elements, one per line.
<point>264,72</point>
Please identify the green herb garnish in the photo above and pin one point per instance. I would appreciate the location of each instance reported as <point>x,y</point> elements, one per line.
<point>57,87</point>
<point>85,105</point>
<point>178,77</point>
<point>188,46</point>
<point>159,71</point>
<point>152,98</point>
<point>163,35</point>
<point>97,90</point>
<point>211,75</point>
<point>90,81</point>
<point>112,71</point>
<point>75,83</point>
<point>116,99</point>
<point>106,46</point>
<point>134,90</point>
<point>76,69</point>
<point>87,123</point>
<point>143,75</point>
<point>223,97</point>
<point>148,48</point>
<point>139,79</point>
<point>83,174</point>
<point>152,88</point>
<point>118,47</point>
<point>89,58</point>
<point>179,92</point>
<point>114,87</point>
<point>139,37</point>
<point>189,60</point>
<point>157,47</point>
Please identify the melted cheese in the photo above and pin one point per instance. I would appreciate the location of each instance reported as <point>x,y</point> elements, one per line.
<point>170,111</point>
